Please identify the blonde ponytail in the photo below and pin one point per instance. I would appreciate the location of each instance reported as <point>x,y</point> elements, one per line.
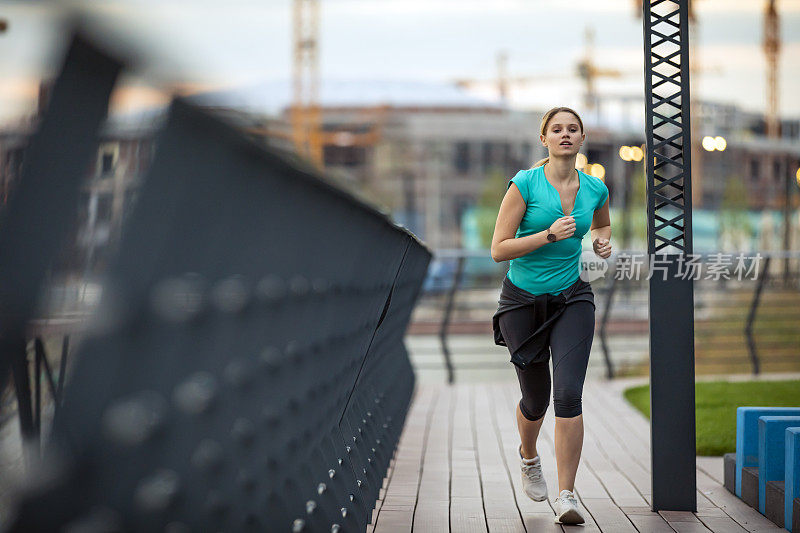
<point>541,162</point>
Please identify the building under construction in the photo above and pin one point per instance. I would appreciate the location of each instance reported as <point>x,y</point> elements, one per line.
<point>428,153</point>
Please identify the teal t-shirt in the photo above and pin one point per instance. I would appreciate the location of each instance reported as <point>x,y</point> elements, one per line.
<point>556,265</point>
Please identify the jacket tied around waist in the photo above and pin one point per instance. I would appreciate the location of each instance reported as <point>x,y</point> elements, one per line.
<point>544,310</point>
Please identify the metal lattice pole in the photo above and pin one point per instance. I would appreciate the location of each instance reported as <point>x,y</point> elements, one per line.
<point>669,241</point>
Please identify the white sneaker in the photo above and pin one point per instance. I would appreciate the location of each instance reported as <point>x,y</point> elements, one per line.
<point>566,508</point>
<point>532,479</point>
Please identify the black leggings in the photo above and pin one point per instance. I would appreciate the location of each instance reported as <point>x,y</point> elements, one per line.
<point>570,343</point>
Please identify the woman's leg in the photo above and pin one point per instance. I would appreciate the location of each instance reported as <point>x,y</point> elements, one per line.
<point>534,383</point>
<point>570,344</point>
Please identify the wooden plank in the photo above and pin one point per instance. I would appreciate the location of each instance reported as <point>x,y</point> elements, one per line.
<point>435,476</point>
<point>541,523</point>
<point>607,515</point>
<point>617,468</point>
<point>645,520</point>
<point>466,501</point>
<point>683,522</point>
<point>396,513</point>
<point>505,525</point>
<point>466,514</point>
<point>635,491</point>
<point>381,495</point>
<point>638,469</point>
<point>393,522</point>
<point>499,501</point>
<point>713,467</point>
<point>650,523</point>
<point>432,512</point>
<point>722,524</point>
<point>710,512</point>
<point>432,515</point>
<point>740,512</point>
<point>536,516</point>
<point>678,516</point>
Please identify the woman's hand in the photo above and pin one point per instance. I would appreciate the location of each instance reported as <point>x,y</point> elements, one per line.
<point>602,247</point>
<point>563,227</point>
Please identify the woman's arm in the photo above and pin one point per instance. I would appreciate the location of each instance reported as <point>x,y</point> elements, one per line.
<point>601,231</point>
<point>504,245</point>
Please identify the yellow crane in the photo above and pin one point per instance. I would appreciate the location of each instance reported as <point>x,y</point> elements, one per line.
<point>772,48</point>
<point>503,81</point>
<point>308,135</point>
<point>305,112</point>
<point>588,71</point>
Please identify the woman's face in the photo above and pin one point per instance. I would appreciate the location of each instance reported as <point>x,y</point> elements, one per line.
<point>563,136</point>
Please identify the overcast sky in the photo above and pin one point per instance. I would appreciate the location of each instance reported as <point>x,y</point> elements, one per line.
<point>210,44</point>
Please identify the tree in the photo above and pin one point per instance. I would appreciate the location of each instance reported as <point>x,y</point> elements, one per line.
<point>488,206</point>
<point>735,229</point>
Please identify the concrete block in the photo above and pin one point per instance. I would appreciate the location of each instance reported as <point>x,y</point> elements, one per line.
<point>796,515</point>
<point>729,469</point>
<point>747,436</point>
<point>771,452</point>
<point>774,502</point>
<point>791,477</point>
<point>750,486</point>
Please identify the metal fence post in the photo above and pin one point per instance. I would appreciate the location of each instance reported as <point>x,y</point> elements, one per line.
<point>751,316</point>
<point>448,309</point>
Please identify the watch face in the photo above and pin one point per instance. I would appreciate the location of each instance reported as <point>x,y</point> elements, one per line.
<point>551,237</point>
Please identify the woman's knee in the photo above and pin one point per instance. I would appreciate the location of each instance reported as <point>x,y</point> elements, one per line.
<point>567,403</point>
<point>534,383</point>
<point>532,412</point>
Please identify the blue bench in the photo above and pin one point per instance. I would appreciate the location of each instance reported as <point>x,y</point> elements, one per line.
<point>792,475</point>
<point>771,462</point>
<point>747,436</point>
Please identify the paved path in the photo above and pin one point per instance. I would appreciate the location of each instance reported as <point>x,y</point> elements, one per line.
<point>458,470</point>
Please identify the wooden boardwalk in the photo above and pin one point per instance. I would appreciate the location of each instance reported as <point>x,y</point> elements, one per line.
<point>457,469</point>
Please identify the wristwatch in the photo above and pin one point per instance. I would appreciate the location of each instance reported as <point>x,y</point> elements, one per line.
<point>551,236</point>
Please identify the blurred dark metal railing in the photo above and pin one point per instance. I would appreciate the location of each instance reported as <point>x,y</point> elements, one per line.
<point>741,325</point>
<point>245,368</point>
<point>37,217</point>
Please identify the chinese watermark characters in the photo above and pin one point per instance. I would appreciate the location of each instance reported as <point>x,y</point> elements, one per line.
<point>715,266</point>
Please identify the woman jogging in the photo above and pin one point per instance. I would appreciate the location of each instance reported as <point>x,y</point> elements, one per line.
<point>546,308</point>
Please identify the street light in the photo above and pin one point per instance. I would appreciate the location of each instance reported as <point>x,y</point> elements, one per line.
<point>637,154</point>
<point>597,170</point>
<point>797,176</point>
<point>714,143</point>
<point>580,161</point>
<point>625,153</point>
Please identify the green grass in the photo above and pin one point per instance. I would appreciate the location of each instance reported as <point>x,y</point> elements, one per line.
<point>715,407</point>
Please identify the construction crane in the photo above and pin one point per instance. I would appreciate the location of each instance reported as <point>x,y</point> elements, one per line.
<point>588,71</point>
<point>308,135</point>
<point>305,112</point>
<point>772,48</point>
<point>503,81</point>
